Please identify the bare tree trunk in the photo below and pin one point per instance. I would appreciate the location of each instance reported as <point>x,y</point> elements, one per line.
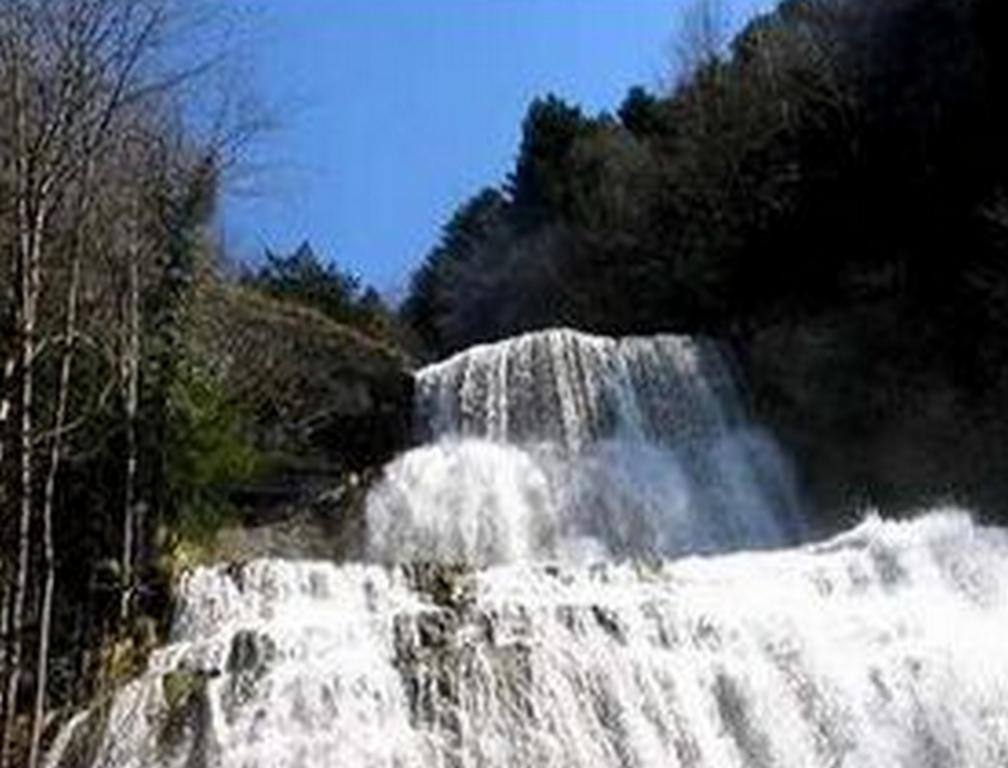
<point>5,596</point>
<point>30,268</point>
<point>30,226</point>
<point>48,546</point>
<point>5,564</point>
<point>5,401</point>
<point>131,381</point>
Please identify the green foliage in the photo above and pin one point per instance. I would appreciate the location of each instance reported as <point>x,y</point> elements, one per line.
<point>479,222</point>
<point>641,113</point>
<point>209,451</point>
<point>302,277</point>
<point>181,685</point>
<point>540,185</point>
<point>299,376</point>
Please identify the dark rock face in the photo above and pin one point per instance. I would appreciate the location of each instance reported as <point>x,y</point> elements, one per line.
<point>328,442</point>
<point>318,392</point>
<point>369,418</point>
<point>248,661</point>
<point>185,731</point>
<point>312,503</point>
<point>875,415</point>
<point>328,524</point>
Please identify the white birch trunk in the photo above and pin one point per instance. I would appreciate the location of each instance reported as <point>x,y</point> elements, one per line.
<point>48,546</point>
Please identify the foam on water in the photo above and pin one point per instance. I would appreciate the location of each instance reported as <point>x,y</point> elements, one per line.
<point>881,648</point>
<point>572,389</point>
<point>523,606</point>
<point>559,443</point>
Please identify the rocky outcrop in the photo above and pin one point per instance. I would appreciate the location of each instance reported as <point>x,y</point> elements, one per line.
<point>875,416</point>
<point>315,388</point>
<point>327,526</point>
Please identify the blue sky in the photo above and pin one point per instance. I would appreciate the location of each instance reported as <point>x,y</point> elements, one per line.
<point>391,112</point>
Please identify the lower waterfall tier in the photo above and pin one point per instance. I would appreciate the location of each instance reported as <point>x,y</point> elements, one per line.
<point>883,647</point>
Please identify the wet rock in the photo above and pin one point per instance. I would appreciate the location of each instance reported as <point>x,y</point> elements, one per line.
<point>436,629</point>
<point>186,708</point>
<point>451,586</point>
<point>85,741</point>
<point>250,652</point>
<point>734,711</point>
<point>248,662</point>
<point>610,622</point>
<point>888,568</point>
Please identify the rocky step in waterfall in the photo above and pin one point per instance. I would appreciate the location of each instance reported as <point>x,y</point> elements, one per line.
<point>536,596</point>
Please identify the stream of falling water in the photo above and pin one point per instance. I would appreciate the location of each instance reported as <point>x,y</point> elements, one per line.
<point>561,445</point>
<point>534,596</point>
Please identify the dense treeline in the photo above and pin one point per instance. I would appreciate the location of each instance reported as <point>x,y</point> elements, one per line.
<point>838,152</point>
<point>304,278</point>
<point>139,388</point>
<point>104,206</point>
<point>829,193</point>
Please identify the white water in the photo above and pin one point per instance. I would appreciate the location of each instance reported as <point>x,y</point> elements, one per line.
<point>564,445</point>
<point>572,389</point>
<point>881,648</point>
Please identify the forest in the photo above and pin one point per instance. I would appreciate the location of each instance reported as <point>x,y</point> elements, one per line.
<point>838,154</point>
<point>828,194</point>
<point>145,382</point>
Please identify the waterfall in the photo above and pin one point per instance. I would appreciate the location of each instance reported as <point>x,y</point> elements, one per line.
<point>571,388</point>
<point>881,648</point>
<point>563,445</point>
<point>557,578</point>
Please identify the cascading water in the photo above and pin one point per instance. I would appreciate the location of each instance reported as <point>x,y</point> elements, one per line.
<point>531,637</point>
<point>564,445</point>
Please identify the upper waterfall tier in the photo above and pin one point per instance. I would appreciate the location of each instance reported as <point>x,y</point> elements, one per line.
<point>562,445</point>
<point>571,388</point>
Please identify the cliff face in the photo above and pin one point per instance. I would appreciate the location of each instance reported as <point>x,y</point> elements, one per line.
<point>317,391</point>
<point>877,415</point>
<point>317,406</point>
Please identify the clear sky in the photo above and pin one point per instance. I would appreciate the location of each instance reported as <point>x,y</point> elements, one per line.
<point>391,112</point>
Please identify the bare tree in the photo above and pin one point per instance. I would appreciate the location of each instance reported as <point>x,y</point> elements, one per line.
<point>31,210</point>
<point>48,547</point>
<point>129,383</point>
<point>72,69</point>
<point>95,158</point>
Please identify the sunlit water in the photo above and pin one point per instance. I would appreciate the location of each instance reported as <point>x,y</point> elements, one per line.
<point>561,620</point>
<point>570,446</point>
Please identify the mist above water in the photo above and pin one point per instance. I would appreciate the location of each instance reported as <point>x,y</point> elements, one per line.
<point>564,445</point>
